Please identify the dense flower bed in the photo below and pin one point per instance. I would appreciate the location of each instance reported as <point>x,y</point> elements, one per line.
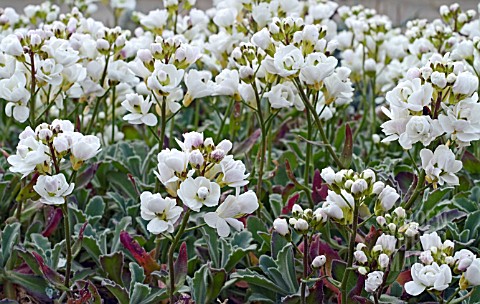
<point>259,151</point>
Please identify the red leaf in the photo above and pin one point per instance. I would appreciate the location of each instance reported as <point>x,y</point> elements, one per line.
<point>291,201</point>
<point>54,219</point>
<point>319,190</point>
<point>139,253</point>
<point>180,266</point>
<point>346,157</point>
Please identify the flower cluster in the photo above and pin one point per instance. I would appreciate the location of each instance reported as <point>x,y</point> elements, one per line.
<point>196,174</point>
<point>437,262</point>
<point>43,151</point>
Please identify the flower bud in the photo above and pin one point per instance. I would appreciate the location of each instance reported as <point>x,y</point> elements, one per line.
<point>281,226</point>
<point>196,158</point>
<point>383,260</point>
<point>319,261</point>
<point>360,257</point>
<point>301,225</point>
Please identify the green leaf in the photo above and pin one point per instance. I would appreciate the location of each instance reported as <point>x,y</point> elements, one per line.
<point>470,163</point>
<point>338,272</point>
<point>41,242</point>
<point>119,292</point>
<point>91,246</point>
<point>257,279</point>
<point>396,266</point>
<point>278,243</point>
<point>430,202</point>
<point>140,293</point>
<point>124,223</point>
<point>473,223</point>
<point>137,275</point>
<point>216,281</point>
<point>211,238</point>
<point>112,264</point>
<point>32,283</point>
<point>198,285</point>
<point>9,237</point>
<point>286,266</point>
<point>95,207</point>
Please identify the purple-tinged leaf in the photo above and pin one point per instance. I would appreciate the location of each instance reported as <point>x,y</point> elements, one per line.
<point>181,266</point>
<point>53,220</point>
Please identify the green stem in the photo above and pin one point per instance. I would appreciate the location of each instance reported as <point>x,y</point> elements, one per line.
<point>319,125</point>
<point>171,251</point>
<point>164,124</point>
<point>351,248</point>
<point>263,147</point>
<point>417,191</point>
<point>32,87</point>
<point>113,113</point>
<point>222,124</point>
<point>305,269</point>
<point>157,247</point>
<point>68,244</point>
<point>308,153</point>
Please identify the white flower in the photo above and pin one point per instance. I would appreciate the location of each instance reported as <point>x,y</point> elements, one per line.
<point>225,17</point>
<point>13,89</point>
<point>48,72</point>
<point>319,261</point>
<point>284,95</point>
<point>192,140</point>
<point>426,257</point>
<point>123,4</point>
<point>431,277</point>
<point>165,78</point>
<point>373,281</point>
<point>61,51</point>
<point>197,192</point>
<point>30,153</point>
<point>119,71</point>
<point>328,175</point>
<point>301,225</point>
<point>226,83</point>
<point>228,212</point>
<point>420,129</point>
<point>262,39</point>
<point>431,240</point>
<point>171,164</point>
<point>388,197</point>
<point>411,94</point>
<point>161,212</point>
<point>463,259</point>
<point>339,87</point>
<point>378,187</point>
<point>199,84</point>
<point>233,172</point>
<point>11,45</point>
<point>86,147</point>
<point>287,61</point>
<point>139,110</point>
<point>383,260</point>
<point>281,226</point>
<point>317,67</point>
<point>439,79</point>
<point>360,256</point>
<point>335,204</point>
<point>466,84</point>
<point>472,275</point>
<point>387,243</point>
<point>156,19</point>
<point>53,189</point>
<point>440,166</point>
<point>359,186</point>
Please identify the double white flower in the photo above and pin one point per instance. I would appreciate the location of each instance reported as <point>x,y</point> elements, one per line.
<point>161,212</point>
<point>53,189</point>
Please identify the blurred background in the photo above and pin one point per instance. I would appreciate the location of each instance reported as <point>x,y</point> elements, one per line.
<point>397,10</point>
